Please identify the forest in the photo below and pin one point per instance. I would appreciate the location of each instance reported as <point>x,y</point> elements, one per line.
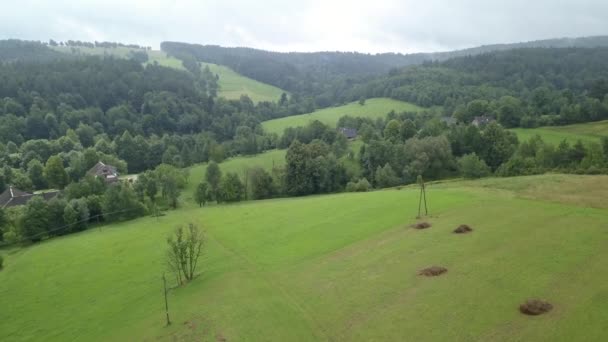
<point>520,88</point>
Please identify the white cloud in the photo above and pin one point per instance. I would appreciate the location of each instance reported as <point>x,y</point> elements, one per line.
<point>306,25</point>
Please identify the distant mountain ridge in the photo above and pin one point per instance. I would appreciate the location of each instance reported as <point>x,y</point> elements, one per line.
<point>328,75</point>
<point>580,42</point>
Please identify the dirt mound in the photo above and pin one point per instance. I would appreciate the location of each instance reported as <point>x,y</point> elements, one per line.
<point>432,271</point>
<point>535,307</point>
<point>463,229</point>
<point>421,225</point>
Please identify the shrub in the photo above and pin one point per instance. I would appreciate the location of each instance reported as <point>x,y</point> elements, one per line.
<point>362,185</point>
<point>1,262</point>
<point>471,166</point>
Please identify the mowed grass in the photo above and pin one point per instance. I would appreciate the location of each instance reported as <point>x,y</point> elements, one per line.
<point>586,132</point>
<point>373,108</point>
<point>328,268</point>
<point>233,85</point>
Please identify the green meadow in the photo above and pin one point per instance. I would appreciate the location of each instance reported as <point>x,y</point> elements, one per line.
<point>373,108</point>
<point>233,85</point>
<point>339,267</point>
<point>586,132</point>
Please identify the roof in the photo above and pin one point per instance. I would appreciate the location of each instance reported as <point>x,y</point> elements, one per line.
<point>482,120</point>
<point>102,170</point>
<point>449,120</point>
<point>12,197</point>
<point>350,133</point>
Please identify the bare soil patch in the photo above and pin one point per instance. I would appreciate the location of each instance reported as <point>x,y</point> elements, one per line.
<point>421,225</point>
<point>535,307</point>
<point>463,229</point>
<point>432,271</point>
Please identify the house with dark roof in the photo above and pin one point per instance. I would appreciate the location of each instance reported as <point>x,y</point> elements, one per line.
<point>349,133</point>
<point>107,172</point>
<point>481,121</point>
<point>12,197</point>
<point>448,120</point>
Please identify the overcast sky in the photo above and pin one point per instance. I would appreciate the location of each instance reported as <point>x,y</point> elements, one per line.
<point>306,25</point>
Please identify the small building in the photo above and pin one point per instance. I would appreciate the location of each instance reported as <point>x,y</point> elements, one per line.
<point>349,133</point>
<point>480,121</point>
<point>12,197</point>
<point>448,120</point>
<point>106,172</point>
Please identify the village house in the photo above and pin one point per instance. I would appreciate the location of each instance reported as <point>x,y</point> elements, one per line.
<point>480,121</point>
<point>106,172</point>
<point>12,197</point>
<point>448,120</point>
<point>349,133</point>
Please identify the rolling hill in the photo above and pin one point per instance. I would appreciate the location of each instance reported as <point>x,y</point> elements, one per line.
<point>333,268</point>
<point>373,108</point>
<point>232,84</point>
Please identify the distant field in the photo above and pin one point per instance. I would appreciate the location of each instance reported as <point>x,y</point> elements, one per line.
<point>373,108</point>
<point>232,84</point>
<point>332,268</point>
<point>239,165</point>
<point>586,132</point>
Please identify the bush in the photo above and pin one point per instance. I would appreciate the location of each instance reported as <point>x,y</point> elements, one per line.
<point>362,185</point>
<point>471,166</point>
<point>386,177</point>
<point>1,262</point>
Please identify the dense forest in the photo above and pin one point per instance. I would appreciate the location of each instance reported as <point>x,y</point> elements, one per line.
<point>521,87</point>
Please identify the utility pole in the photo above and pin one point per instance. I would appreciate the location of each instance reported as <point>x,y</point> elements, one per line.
<point>166,302</point>
<point>422,197</point>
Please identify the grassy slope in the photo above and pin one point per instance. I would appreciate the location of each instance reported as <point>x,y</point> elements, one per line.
<point>337,267</point>
<point>232,84</point>
<point>587,132</point>
<point>373,108</point>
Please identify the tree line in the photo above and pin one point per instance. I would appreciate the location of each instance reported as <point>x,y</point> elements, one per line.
<point>395,151</point>
<point>91,201</point>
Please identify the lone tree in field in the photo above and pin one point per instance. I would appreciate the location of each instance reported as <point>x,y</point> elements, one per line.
<point>185,247</point>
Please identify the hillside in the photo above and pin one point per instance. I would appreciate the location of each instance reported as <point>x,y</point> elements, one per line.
<point>232,84</point>
<point>330,75</point>
<point>586,132</point>
<point>373,108</point>
<point>337,267</point>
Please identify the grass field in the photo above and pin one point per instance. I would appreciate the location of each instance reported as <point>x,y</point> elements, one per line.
<point>332,268</point>
<point>373,108</point>
<point>239,165</point>
<point>586,132</point>
<point>232,84</point>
